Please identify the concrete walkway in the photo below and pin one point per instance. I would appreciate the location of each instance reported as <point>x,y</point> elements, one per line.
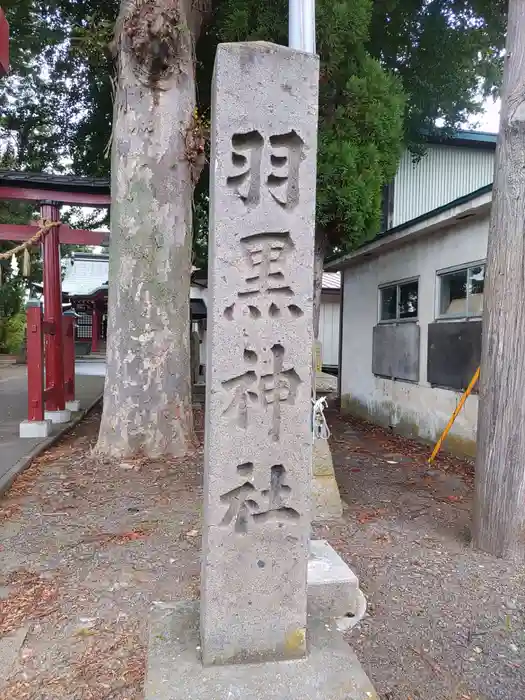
<point>13,409</point>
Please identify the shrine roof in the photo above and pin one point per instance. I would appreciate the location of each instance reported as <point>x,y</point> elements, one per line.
<point>68,189</point>
<point>51,181</point>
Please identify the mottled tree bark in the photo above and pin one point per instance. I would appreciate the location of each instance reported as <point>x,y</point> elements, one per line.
<point>156,161</point>
<point>499,511</point>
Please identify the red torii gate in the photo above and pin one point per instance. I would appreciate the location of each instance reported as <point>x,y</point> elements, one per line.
<point>50,192</point>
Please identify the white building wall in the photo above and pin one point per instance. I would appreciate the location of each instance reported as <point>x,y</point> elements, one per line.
<point>453,171</point>
<point>395,402</point>
<point>329,321</point>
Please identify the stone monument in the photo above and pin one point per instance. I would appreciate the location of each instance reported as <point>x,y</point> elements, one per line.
<point>254,640</point>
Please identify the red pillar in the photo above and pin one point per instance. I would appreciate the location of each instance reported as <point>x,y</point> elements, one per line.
<point>35,362</point>
<point>68,322</point>
<point>95,329</point>
<point>53,311</point>
<point>4,44</point>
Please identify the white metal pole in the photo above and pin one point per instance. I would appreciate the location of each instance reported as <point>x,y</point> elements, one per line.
<point>301,25</point>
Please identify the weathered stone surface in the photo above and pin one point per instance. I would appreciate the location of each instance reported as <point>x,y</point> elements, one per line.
<point>259,364</point>
<point>327,502</point>
<point>322,459</point>
<point>175,672</point>
<point>333,588</point>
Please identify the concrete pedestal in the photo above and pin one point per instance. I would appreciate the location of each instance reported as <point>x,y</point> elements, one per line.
<point>333,588</point>
<point>63,416</point>
<point>35,428</point>
<point>327,503</point>
<point>73,406</point>
<point>330,671</point>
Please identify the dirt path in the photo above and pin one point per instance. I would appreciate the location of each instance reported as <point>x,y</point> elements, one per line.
<point>86,548</point>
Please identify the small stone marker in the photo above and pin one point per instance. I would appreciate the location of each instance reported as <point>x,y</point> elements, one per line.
<point>258,428</point>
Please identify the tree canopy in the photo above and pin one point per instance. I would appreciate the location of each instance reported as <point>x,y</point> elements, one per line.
<point>390,70</point>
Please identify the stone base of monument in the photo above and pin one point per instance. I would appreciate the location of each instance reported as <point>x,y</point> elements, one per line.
<point>326,499</point>
<point>333,588</point>
<point>331,671</point>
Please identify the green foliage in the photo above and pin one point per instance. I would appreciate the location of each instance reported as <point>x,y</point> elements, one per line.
<point>447,53</point>
<point>13,286</point>
<point>11,303</point>
<point>56,107</point>
<point>200,232</point>
<point>441,56</point>
<point>361,110</point>
<point>12,333</point>
<point>360,125</point>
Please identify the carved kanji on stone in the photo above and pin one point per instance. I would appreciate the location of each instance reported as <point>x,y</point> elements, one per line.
<point>251,390</point>
<point>265,255</point>
<point>242,395</point>
<point>258,447</point>
<point>277,387</point>
<point>286,151</point>
<point>247,506</point>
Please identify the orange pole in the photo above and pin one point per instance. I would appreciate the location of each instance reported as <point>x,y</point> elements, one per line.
<point>454,416</point>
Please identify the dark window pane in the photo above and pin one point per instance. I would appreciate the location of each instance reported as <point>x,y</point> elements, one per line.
<point>454,293</point>
<point>388,303</point>
<point>408,298</point>
<point>475,291</point>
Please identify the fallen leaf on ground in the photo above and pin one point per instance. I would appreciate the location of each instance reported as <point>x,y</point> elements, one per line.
<point>33,597</point>
<point>383,538</point>
<point>367,515</point>
<point>117,537</point>
<point>6,513</point>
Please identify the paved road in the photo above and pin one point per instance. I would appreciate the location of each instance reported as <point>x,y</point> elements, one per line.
<point>13,407</point>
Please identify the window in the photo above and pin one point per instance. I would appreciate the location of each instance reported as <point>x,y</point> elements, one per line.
<point>461,291</point>
<point>398,301</point>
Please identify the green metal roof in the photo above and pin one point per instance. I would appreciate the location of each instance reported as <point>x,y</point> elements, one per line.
<point>413,222</point>
<point>467,137</point>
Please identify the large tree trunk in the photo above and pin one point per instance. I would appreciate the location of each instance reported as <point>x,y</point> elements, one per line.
<point>156,160</point>
<point>499,512</point>
<point>319,255</point>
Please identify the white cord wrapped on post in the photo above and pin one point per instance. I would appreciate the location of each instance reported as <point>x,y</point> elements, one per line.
<point>321,431</point>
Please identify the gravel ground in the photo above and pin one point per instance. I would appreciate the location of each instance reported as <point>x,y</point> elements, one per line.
<point>86,547</point>
<point>445,622</point>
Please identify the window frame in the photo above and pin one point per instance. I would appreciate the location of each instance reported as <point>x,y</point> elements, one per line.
<point>439,316</point>
<point>397,284</point>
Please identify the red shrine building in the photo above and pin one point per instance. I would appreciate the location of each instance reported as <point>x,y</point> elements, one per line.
<point>85,290</point>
